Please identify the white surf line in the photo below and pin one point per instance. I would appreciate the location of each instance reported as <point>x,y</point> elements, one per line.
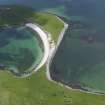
<point>45,42</point>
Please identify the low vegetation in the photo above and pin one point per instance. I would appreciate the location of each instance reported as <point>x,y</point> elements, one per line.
<point>36,89</point>
<point>18,15</point>
<point>50,23</point>
<point>14,15</point>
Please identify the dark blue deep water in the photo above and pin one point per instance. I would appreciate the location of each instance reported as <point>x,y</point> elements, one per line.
<point>80,59</point>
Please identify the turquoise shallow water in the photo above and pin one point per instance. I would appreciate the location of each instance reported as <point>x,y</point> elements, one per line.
<point>20,50</point>
<point>80,59</point>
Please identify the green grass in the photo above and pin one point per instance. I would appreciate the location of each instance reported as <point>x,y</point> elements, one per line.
<point>50,23</point>
<point>36,89</point>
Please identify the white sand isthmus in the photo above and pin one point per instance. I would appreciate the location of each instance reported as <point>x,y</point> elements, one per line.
<point>44,38</point>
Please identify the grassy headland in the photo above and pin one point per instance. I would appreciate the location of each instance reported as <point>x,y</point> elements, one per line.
<point>50,23</point>
<point>18,15</point>
<point>36,89</point>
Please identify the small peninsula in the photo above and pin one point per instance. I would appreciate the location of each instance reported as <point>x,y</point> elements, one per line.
<point>23,47</point>
<point>23,37</point>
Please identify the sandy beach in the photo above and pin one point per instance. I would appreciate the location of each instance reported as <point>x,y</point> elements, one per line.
<point>46,45</point>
